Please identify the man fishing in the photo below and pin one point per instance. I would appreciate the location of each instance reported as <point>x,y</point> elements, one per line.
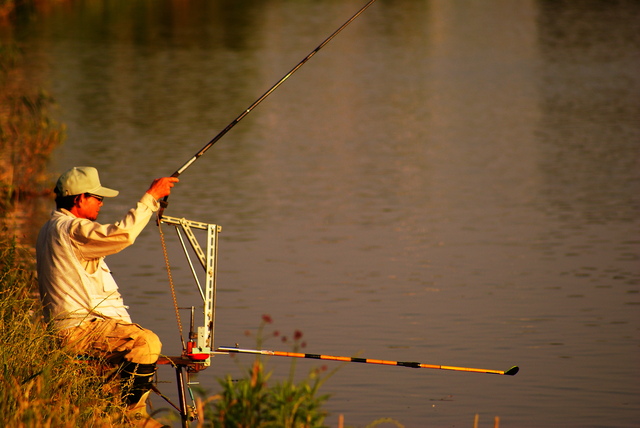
<point>79,295</point>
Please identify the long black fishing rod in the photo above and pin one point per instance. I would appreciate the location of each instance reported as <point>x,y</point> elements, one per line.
<point>224,349</point>
<point>215,139</point>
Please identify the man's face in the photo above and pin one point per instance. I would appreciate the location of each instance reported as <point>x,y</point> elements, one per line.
<point>87,207</point>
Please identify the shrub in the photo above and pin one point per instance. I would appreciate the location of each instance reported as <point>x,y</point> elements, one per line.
<point>251,403</point>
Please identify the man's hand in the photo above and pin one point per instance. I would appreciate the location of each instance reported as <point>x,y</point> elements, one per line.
<point>161,187</point>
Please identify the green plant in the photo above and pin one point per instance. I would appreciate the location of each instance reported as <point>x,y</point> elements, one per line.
<point>251,403</point>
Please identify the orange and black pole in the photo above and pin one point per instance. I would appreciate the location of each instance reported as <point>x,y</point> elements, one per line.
<point>512,371</point>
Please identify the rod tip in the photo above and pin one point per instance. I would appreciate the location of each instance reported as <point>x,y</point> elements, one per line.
<point>512,371</point>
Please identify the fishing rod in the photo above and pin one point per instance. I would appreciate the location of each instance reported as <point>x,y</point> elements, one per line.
<point>223,349</point>
<point>164,203</point>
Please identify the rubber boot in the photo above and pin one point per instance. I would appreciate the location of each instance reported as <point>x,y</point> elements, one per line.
<point>138,417</point>
<point>136,379</point>
<point>136,385</point>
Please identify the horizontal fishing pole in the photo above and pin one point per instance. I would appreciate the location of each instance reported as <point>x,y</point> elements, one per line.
<point>164,203</point>
<point>223,349</point>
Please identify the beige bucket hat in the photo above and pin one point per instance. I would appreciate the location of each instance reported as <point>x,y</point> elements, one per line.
<point>82,179</point>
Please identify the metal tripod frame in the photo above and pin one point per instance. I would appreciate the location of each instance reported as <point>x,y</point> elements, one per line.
<point>196,355</point>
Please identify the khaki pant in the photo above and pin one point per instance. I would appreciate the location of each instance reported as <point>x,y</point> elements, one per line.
<point>114,341</point>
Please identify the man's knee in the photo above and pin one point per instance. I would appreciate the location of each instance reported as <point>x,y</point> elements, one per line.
<point>146,349</point>
<point>154,343</point>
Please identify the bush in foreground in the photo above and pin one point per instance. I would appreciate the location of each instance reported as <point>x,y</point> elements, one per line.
<point>250,402</point>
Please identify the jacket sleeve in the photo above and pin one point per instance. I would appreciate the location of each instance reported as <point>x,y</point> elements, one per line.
<point>94,240</point>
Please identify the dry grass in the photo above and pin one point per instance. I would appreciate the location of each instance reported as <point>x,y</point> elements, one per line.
<point>42,384</point>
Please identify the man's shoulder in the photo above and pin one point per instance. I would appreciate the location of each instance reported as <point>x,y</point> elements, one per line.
<point>64,217</point>
<point>63,212</point>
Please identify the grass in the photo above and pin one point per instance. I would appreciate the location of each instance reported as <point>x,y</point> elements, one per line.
<point>41,384</point>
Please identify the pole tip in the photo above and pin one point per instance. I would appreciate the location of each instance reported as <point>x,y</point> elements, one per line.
<point>512,371</point>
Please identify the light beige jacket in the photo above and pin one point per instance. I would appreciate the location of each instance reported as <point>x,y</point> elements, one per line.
<point>75,283</point>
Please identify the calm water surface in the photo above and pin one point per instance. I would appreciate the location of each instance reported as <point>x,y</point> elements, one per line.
<point>447,182</point>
